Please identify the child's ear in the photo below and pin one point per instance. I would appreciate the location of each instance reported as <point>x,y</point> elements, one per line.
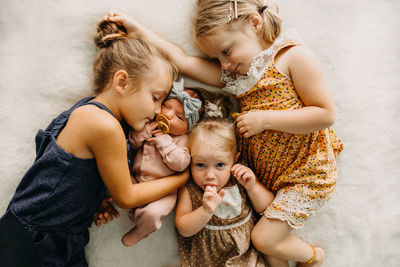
<point>120,81</point>
<point>237,156</point>
<point>255,22</point>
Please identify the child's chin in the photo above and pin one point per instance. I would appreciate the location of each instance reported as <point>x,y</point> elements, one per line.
<point>139,126</point>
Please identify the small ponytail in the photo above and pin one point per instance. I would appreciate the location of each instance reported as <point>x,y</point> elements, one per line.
<point>108,32</point>
<point>272,22</point>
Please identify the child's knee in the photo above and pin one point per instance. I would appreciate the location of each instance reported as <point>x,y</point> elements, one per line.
<point>256,238</point>
<point>151,219</point>
<point>260,240</point>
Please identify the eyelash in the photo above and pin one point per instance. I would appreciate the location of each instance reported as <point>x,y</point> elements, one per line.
<point>220,165</point>
<point>226,52</point>
<point>200,165</point>
<point>155,99</point>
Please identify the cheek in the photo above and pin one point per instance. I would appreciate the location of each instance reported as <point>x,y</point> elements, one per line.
<point>225,175</point>
<point>137,125</point>
<point>197,177</point>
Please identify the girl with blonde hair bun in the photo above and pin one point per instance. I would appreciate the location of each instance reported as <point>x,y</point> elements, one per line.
<point>83,153</point>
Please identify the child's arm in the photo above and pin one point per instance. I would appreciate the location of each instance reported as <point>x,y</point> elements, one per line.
<point>188,221</point>
<point>260,197</point>
<point>175,155</point>
<point>203,70</point>
<point>310,83</point>
<point>106,139</point>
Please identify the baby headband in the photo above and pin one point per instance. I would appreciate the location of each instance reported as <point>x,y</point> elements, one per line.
<point>191,105</point>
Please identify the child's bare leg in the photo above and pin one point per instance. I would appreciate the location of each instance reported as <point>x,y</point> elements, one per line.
<point>149,219</point>
<point>281,243</point>
<point>276,262</point>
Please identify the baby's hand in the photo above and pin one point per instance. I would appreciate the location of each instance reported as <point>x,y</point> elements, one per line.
<point>244,175</point>
<point>155,132</point>
<point>106,212</point>
<point>131,25</point>
<point>212,199</point>
<point>251,123</point>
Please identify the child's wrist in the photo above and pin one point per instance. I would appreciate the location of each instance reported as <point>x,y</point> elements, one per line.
<point>250,188</point>
<point>267,120</point>
<point>207,211</point>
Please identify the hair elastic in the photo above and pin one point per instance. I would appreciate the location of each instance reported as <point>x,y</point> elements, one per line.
<point>261,10</point>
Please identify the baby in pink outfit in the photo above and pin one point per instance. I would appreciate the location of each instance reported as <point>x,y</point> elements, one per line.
<point>160,155</point>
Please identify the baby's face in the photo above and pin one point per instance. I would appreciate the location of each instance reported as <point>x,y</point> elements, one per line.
<point>210,166</point>
<point>173,109</point>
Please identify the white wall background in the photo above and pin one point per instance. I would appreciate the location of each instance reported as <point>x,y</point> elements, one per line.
<point>46,54</point>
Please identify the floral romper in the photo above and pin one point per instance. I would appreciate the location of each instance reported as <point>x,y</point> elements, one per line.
<point>225,240</point>
<point>299,168</point>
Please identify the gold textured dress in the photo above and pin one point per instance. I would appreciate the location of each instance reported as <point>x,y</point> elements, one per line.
<point>299,168</point>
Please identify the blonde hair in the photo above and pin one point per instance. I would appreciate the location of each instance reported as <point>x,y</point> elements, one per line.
<point>219,134</point>
<point>118,52</point>
<point>212,15</point>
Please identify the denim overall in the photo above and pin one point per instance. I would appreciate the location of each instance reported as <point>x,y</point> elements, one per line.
<point>56,199</point>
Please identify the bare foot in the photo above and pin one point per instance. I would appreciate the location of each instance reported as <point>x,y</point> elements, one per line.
<point>319,259</point>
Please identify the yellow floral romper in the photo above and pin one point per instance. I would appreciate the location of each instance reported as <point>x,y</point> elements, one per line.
<point>299,168</point>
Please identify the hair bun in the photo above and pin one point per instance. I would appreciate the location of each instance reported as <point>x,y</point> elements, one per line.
<point>109,32</point>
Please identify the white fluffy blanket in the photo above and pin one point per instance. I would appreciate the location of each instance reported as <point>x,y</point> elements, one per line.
<point>46,54</point>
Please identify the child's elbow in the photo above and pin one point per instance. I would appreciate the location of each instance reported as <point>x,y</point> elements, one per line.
<point>123,203</point>
<point>183,233</point>
<point>182,230</point>
<point>330,117</point>
<point>126,202</point>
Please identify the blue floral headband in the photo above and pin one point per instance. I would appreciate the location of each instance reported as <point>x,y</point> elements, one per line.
<point>191,105</point>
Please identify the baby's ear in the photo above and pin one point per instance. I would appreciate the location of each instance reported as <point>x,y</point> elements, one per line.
<point>237,157</point>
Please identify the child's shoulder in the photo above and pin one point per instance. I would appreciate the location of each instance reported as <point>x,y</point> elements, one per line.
<point>95,116</point>
<point>297,56</point>
<point>95,123</point>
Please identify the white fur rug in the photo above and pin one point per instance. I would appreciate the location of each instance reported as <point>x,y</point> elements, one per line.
<point>46,54</point>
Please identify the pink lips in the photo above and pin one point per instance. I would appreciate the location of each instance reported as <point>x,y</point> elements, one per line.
<point>236,69</point>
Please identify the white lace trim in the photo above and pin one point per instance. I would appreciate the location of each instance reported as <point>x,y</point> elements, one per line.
<point>238,84</point>
<point>230,226</point>
<point>293,207</point>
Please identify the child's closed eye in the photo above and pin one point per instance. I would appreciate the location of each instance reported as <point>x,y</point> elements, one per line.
<point>226,52</point>
<point>156,98</point>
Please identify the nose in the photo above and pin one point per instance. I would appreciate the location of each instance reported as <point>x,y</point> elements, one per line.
<point>225,64</point>
<point>157,108</point>
<point>169,114</point>
<point>210,175</point>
